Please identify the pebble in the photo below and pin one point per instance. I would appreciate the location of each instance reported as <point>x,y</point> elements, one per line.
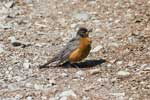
<point>2,48</point>
<point>67,93</point>
<point>17,43</point>
<point>97,48</point>
<point>52,82</point>
<point>38,87</point>
<point>9,4</point>
<point>18,78</point>
<point>10,68</point>
<point>48,86</point>
<point>43,98</point>
<point>64,75</point>
<point>113,44</point>
<point>131,63</point>
<point>26,65</point>
<point>147,69</point>
<point>119,62</point>
<point>28,1</point>
<point>79,74</point>
<point>29,85</point>
<point>109,65</point>
<point>123,73</point>
<point>94,71</point>
<point>102,79</point>
<point>84,16</point>
<point>14,42</point>
<point>12,87</point>
<point>120,95</point>
<point>8,26</point>
<point>29,98</point>
<point>63,98</point>
<point>18,97</point>
<point>89,87</point>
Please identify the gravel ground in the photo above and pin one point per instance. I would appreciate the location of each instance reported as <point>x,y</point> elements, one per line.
<point>33,31</point>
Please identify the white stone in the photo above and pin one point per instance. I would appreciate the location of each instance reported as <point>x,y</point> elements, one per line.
<point>26,65</point>
<point>79,74</point>
<point>68,93</point>
<point>29,98</point>
<point>123,73</point>
<point>119,62</point>
<point>2,48</point>
<point>94,71</point>
<point>81,16</point>
<point>63,98</point>
<point>97,48</point>
<point>38,87</point>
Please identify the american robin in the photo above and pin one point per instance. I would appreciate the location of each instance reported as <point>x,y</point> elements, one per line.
<point>76,49</point>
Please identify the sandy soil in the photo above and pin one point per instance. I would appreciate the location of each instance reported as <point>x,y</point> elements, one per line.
<point>33,31</point>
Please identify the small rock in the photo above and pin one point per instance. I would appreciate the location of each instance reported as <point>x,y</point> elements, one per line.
<point>29,98</point>
<point>52,82</point>
<point>43,98</point>
<point>89,87</point>
<point>119,62</point>
<point>28,1</point>
<point>18,97</point>
<point>97,48</point>
<point>10,4</point>
<point>2,48</point>
<point>63,98</point>
<point>123,73</point>
<point>145,67</point>
<point>19,78</point>
<point>64,75</point>
<point>94,71</point>
<point>109,65</point>
<point>10,68</point>
<point>14,42</point>
<point>29,85</point>
<point>12,87</point>
<point>131,63</point>
<point>103,80</point>
<point>48,85</point>
<point>6,72</point>
<point>38,87</point>
<point>120,96</point>
<point>17,43</point>
<point>79,74</point>
<point>85,98</point>
<point>8,26</point>
<point>26,65</point>
<point>113,44</point>
<point>81,16</point>
<point>67,93</point>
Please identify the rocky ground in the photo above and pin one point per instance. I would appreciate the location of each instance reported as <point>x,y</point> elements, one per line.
<point>33,31</point>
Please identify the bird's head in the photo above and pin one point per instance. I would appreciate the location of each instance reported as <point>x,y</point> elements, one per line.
<point>83,32</point>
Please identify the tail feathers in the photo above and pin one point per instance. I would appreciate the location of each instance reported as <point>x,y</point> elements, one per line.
<point>48,62</point>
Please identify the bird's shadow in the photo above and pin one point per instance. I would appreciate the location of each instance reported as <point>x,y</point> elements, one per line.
<point>85,64</point>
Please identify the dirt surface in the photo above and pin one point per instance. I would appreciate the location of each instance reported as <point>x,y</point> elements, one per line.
<point>33,31</point>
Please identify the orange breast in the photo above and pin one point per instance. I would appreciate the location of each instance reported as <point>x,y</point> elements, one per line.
<point>82,52</point>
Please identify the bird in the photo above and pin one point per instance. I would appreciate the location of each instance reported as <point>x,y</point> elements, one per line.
<point>76,49</point>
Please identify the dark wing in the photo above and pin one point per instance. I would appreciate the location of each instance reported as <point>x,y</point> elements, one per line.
<point>70,47</point>
<point>64,54</point>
